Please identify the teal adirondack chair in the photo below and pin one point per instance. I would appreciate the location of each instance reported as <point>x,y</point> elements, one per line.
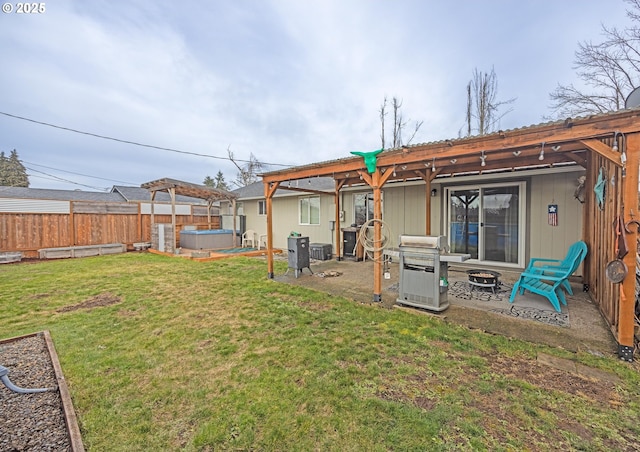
<point>555,267</point>
<point>548,285</point>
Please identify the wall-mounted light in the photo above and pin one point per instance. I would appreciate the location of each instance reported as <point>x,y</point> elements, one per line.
<point>541,156</point>
<point>623,154</point>
<point>434,192</point>
<point>482,159</point>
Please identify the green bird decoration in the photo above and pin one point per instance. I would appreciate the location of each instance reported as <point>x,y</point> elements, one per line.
<point>370,159</point>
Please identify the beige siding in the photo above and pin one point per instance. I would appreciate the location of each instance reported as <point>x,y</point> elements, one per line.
<point>404,209</point>
<point>254,221</point>
<point>286,220</point>
<point>552,241</point>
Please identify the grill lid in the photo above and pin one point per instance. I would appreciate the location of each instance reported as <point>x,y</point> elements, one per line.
<point>424,241</point>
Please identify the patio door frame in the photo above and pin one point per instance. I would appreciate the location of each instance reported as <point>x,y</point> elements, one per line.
<point>522,217</point>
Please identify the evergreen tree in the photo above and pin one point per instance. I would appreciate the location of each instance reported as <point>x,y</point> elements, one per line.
<point>219,181</point>
<point>216,182</point>
<point>208,182</point>
<point>12,171</point>
<point>3,169</point>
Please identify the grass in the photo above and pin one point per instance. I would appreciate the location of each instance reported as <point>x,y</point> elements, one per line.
<point>210,356</point>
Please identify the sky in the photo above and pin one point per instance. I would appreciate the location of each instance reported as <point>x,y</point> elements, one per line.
<point>290,81</point>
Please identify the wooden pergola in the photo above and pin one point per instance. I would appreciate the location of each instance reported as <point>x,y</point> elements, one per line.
<point>176,187</point>
<point>610,141</point>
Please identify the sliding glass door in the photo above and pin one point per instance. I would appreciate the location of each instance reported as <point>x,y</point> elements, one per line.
<point>487,222</point>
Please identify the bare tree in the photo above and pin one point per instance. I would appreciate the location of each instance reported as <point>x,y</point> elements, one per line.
<point>248,172</point>
<point>609,71</point>
<point>399,124</point>
<point>483,109</point>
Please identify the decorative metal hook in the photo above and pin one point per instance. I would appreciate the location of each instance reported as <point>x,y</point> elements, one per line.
<point>636,222</point>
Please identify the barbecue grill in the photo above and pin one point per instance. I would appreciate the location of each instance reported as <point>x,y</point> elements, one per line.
<point>423,278</point>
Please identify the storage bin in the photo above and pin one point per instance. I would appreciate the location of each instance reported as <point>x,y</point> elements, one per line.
<point>320,251</point>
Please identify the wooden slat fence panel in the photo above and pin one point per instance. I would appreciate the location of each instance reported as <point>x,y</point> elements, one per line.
<point>600,237</point>
<point>88,224</point>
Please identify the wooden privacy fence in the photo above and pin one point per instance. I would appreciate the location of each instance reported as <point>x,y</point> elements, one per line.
<point>88,223</point>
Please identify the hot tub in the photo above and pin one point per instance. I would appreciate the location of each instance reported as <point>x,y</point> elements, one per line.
<point>206,239</point>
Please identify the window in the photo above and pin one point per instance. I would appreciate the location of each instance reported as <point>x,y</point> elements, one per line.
<point>363,207</point>
<point>310,210</point>
<point>262,207</point>
<point>487,221</point>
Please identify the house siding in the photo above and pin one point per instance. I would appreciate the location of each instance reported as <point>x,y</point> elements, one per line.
<point>552,241</point>
<point>404,211</point>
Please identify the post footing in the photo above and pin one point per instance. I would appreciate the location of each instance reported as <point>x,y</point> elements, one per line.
<point>625,353</point>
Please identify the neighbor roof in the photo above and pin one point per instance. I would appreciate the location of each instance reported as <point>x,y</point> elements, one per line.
<point>58,195</point>
<point>256,190</point>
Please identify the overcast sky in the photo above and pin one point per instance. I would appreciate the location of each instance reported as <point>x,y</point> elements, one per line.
<point>291,81</point>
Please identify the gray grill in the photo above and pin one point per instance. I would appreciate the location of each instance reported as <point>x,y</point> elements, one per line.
<point>424,279</point>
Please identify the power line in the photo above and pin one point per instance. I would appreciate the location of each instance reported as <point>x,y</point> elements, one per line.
<point>104,137</point>
<point>79,174</point>
<point>51,176</point>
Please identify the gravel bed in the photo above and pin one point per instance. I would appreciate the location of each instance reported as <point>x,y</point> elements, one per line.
<point>31,422</point>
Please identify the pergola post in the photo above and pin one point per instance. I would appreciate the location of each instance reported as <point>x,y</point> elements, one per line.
<point>339,185</point>
<point>427,196</point>
<point>269,191</point>
<point>377,238</point>
<point>376,181</point>
<point>626,308</point>
<point>172,194</point>
<point>235,226</point>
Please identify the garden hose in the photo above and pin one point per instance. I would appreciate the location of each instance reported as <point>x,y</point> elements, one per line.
<point>4,376</point>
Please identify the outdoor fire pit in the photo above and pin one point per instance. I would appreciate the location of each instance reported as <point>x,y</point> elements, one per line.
<point>484,279</point>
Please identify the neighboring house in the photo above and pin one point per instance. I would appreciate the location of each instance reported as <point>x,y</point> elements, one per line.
<point>310,213</point>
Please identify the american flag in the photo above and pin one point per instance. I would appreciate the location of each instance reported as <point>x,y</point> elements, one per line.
<point>552,210</point>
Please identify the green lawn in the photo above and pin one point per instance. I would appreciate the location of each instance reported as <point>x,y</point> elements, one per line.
<point>214,356</point>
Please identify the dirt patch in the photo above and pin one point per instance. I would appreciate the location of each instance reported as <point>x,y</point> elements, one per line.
<point>596,391</point>
<point>100,300</point>
<point>314,306</point>
<point>502,413</point>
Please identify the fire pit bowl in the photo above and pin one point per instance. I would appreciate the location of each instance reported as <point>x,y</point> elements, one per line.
<point>485,277</point>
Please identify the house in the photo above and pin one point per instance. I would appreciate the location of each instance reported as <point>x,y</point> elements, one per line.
<point>503,198</point>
